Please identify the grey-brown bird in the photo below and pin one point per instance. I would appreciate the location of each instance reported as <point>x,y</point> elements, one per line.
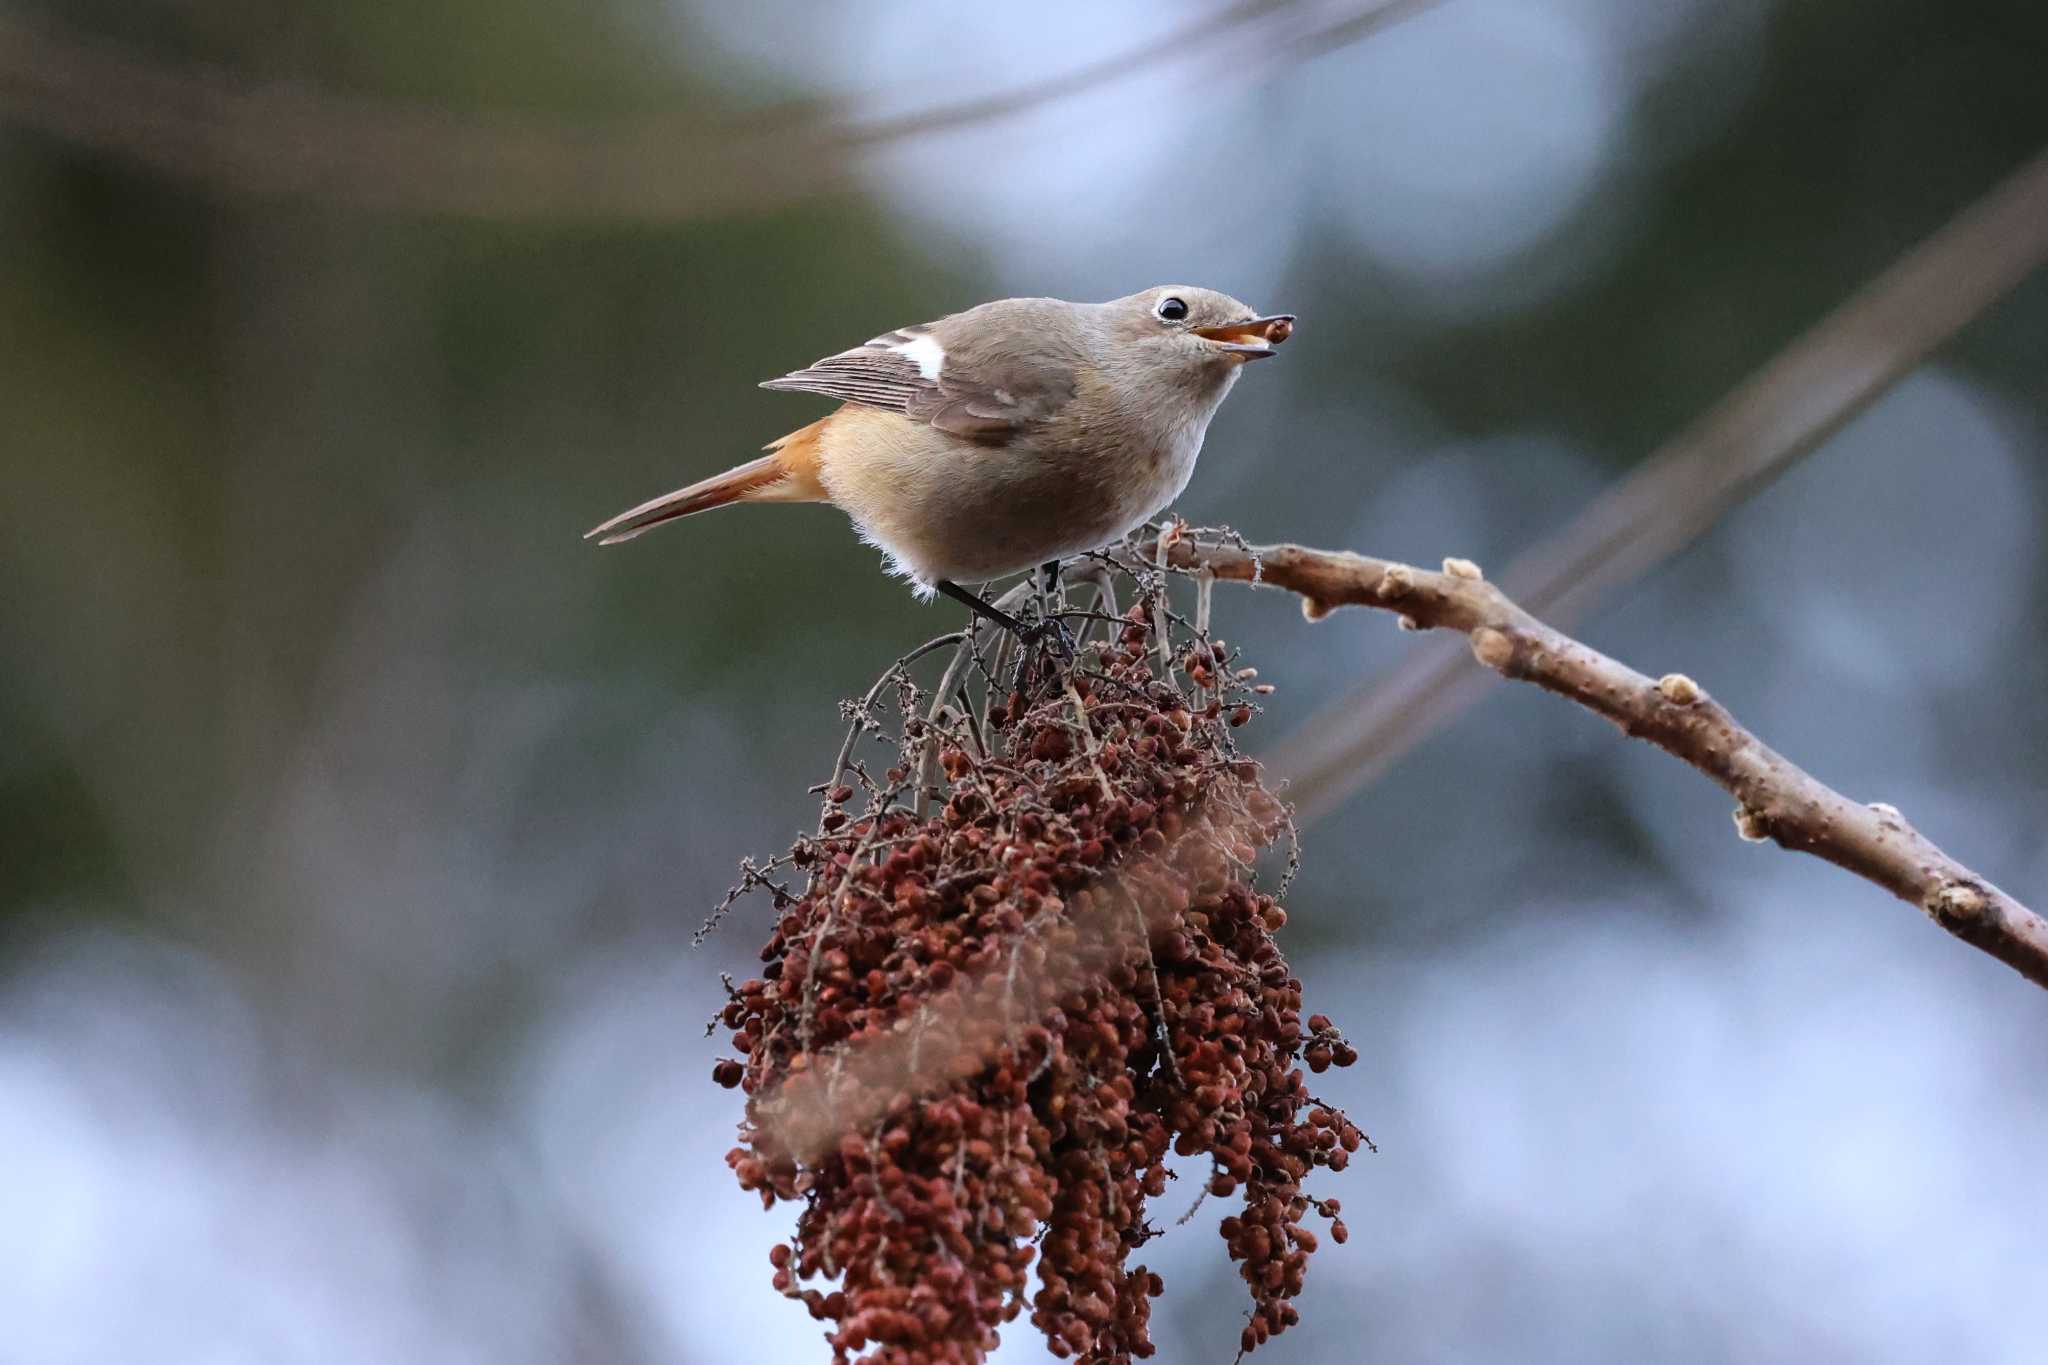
<point>1008,437</point>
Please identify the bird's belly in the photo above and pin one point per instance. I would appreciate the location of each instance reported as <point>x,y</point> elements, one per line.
<point>946,508</point>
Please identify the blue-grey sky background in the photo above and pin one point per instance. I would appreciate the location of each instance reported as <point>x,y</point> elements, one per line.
<point>355,814</point>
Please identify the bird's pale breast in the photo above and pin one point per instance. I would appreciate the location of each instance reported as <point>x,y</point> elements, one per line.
<point>944,507</point>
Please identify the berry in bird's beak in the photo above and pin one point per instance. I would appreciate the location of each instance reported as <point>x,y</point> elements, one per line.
<point>1252,337</point>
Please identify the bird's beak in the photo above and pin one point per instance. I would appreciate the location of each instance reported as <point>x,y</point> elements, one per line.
<point>1251,338</point>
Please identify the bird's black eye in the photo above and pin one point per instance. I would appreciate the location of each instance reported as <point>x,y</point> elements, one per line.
<point>1172,308</point>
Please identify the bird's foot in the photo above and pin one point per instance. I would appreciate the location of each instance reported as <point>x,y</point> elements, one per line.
<point>1051,634</point>
<point>1039,639</point>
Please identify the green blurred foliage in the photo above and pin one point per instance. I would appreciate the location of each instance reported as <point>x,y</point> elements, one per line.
<point>226,417</point>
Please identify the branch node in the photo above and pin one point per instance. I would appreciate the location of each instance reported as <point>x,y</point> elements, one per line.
<point>1753,825</point>
<point>1313,609</point>
<point>1888,815</point>
<point>1492,648</point>
<point>1678,689</point>
<point>1463,568</point>
<point>1407,622</point>
<point>1395,581</point>
<point>1957,901</point>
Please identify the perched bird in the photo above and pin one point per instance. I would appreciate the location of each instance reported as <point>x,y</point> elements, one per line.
<point>1007,437</point>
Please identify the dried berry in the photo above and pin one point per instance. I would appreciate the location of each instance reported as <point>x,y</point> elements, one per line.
<point>1007,993</point>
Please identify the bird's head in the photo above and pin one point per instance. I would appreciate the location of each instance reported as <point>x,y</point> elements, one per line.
<point>1183,327</point>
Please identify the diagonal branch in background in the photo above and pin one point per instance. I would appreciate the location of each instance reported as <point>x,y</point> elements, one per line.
<point>231,134</point>
<point>1784,411</point>
<point>1777,799</point>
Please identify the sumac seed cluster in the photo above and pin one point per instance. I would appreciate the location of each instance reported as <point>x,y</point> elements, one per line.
<point>982,1027</point>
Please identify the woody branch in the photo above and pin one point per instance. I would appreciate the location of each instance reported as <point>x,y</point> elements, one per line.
<point>1776,799</point>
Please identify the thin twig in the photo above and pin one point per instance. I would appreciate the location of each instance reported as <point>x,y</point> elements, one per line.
<point>1105,604</point>
<point>1781,413</point>
<point>219,129</point>
<point>1777,799</point>
<point>1160,1031</point>
<point>863,714</point>
<point>928,756</point>
<point>1162,637</point>
<point>1088,741</point>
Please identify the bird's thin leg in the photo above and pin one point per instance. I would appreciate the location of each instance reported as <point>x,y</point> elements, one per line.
<point>1053,601</point>
<point>1051,631</point>
<point>984,610</point>
<point>1049,600</point>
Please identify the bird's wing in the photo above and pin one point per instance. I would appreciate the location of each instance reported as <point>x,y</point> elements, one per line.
<point>962,374</point>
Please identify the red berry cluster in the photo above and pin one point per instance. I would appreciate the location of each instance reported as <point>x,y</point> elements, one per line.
<point>1033,965</point>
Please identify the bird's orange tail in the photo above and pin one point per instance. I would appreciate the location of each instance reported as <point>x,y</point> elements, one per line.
<point>787,473</point>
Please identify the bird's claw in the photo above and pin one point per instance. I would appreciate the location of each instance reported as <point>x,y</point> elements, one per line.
<point>1050,636</point>
<point>1051,633</point>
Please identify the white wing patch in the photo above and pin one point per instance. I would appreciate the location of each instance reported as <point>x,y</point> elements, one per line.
<point>925,353</point>
<point>985,393</point>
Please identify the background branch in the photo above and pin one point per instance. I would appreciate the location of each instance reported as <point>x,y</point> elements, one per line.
<point>236,135</point>
<point>1777,799</point>
<point>1781,413</point>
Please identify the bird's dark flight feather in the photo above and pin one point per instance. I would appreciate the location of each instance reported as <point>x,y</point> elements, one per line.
<point>1007,367</point>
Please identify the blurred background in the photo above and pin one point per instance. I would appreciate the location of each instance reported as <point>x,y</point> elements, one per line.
<point>355,814</point>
